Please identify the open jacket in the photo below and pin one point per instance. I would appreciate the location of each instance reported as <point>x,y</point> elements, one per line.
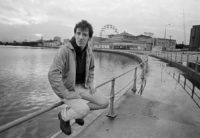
<point>62,73</point>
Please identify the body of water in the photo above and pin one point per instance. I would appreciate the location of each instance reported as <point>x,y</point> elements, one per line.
<point>24,86</point>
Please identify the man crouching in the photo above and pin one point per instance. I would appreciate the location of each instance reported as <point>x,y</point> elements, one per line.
<point>71,76</point>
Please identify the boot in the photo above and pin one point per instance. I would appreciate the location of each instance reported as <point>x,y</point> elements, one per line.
<point>79,121</point>
<point>64,125</point>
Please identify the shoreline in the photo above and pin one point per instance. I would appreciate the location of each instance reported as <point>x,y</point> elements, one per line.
<point>28,46</point>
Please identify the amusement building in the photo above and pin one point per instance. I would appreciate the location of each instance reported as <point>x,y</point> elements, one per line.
<point>126,40</point>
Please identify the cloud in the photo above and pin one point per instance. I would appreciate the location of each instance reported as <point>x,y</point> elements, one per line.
<point>21,12</point>
<point>58,17</point>
<point>38,35</point>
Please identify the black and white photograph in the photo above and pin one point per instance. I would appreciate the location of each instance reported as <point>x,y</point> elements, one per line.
<point>99,69</point>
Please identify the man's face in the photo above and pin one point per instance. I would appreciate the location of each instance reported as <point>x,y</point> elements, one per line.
<point>82,37</point>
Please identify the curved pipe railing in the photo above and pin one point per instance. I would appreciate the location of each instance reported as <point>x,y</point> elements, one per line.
<point>191,91</point>
<point>180,57</point>
<point>144,67</point>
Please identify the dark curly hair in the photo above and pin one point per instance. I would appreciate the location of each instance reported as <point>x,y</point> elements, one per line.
<point>83,24</point>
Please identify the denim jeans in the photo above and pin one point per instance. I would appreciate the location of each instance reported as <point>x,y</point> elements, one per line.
<point>78,108</point>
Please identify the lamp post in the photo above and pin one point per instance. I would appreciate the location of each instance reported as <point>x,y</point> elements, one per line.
<point>165,34</point>
<point>170,42</point>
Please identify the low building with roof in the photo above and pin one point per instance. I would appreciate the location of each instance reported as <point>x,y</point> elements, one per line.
<point>125,40</point>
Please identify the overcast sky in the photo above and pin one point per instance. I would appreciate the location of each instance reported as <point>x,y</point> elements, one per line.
<point>31,19</point>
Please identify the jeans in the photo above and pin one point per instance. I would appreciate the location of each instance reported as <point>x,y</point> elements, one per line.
<point>78,108</point>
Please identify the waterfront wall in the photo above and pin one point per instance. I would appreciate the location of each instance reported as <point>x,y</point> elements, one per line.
<point>137,58</point>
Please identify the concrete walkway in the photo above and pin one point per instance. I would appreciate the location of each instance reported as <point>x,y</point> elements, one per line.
<point>163,111</point>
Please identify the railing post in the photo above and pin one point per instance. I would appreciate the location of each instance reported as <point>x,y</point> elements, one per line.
<point>111,113</point>
<point>184,82</point>
<point>181,58</point>
<point>134,81</point>
<point>164,55</point>
<point>187,60</point>
<point>193,90</point>
<point>167,55</point>
<point>179,77</point>
<point>171,56</point>
<point>142,79</point>
<point>175,56</point>
<point>196,66</point>
<point>147,64</point>
<point>144,66</point>
<point>173,74</point>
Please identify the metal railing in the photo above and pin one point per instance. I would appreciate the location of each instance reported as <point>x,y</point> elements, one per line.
<point>144,67</point>
<point>191,89</point>
<point>182,58</point>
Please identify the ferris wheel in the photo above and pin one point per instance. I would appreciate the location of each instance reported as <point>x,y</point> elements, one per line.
<point>108,30</point>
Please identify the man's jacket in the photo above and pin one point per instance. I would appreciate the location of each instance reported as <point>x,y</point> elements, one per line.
<point>62,73</point>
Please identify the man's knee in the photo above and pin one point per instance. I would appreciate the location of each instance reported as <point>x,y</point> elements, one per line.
<point>80,107</point>
<point>82,111</point>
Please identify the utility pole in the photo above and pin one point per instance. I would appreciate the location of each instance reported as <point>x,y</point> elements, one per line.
<point>165,34</point>
<point>170,41</point>
<point>184,28</point>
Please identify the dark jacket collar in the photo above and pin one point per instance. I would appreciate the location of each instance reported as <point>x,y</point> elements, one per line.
<point>78,50</point>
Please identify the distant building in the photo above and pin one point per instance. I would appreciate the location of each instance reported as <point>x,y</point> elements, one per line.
<point>123,35</point>
<point>57,38</point>
<point>95,41</point>
<point>143,37</point>
<point>195,37</point>
<point>51,43</point>
<point>148,42</point>
<point>165,44</point>
<point>125,40</point>
<point>65,40</point>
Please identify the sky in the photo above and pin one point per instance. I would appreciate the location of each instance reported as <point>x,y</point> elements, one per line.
<point>30,19</point>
